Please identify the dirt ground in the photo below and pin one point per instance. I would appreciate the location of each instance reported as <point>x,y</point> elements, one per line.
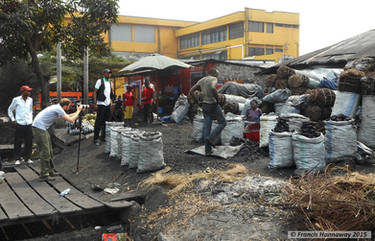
<point>97,168</point>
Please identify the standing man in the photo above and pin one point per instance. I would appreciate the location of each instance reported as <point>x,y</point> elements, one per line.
<point>129,103</point>
<point>23,105</point>
<point>41,123</point>
<point>148,95</point>
<point>102,100</point>
<point>211,109</point>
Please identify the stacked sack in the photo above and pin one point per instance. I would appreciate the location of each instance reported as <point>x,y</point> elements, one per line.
<point>320,104</point>
<point>340,140</point>
<point>108,125</point>
<point>366,131</point>
<point>267,123</point>
<point>234,128</point>
<point>298,84</point>
<point>308,149</point>
<point>280,145</point>
<point>349,81</point>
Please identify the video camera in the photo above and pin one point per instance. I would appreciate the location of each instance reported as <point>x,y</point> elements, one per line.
<point>73,107</point>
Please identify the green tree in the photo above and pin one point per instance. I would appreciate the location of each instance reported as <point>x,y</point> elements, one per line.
<point>29,27</point>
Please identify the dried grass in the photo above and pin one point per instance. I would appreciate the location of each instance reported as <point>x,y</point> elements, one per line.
<point>328,202</point>
<point>178,182</point>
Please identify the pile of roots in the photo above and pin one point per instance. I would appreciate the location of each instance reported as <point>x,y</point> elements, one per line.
<point>331,203</point>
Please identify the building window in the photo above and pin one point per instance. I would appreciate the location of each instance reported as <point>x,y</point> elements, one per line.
<point>256,51</point>
<point>287,25</point>
<point>236,30</point>
<point>256,26</point>
<point>269,51</point>
<point>144,34</point>
<point>278,50</point>
<point>269,27</point>
<point>214,35</point>
<point>218,56</point>
<point>121,32</point>
<point>190,41</point>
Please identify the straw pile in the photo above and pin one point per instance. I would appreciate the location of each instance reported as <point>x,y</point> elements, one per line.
<point>332,203</point>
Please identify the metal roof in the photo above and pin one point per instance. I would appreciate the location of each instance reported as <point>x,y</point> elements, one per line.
<point>337,55</point>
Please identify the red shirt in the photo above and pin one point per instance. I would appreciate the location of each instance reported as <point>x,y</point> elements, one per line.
<point>129,99</point>
<point>147,93</point>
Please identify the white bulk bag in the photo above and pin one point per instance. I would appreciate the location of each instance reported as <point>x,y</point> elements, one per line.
<point>280,150</point>
<point>115,131</point>
<point>234,99</point>
<point>267,123</point>
<point>234,128</point>
<point>308,153</point>
<point>340,140</point>
<point>108,125</point>
<point>134,151</point>
<point>126,143</point>
<point>295,121</point>
<point>284,108</point>
<point>198,128</point>
<point>366,133</point>
<point>345,103</point>
<point>180,109</point>
<point>151,156</point>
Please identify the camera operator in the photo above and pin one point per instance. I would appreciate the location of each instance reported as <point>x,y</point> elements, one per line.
<point>41,123</point>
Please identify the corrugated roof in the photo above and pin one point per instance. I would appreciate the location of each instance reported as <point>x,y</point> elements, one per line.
<point>337,55</point>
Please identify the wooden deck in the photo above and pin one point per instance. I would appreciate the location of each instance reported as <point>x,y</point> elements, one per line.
<point>24,198</point>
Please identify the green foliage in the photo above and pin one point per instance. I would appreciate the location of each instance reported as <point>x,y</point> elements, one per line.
<point>30,27</point>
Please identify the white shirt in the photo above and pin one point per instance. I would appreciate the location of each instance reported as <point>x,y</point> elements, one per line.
<point>47,117</point>
<point>24,110</point>
<point>107,92</point>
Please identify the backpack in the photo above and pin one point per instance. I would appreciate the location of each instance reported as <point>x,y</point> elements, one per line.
<point>101,96</point>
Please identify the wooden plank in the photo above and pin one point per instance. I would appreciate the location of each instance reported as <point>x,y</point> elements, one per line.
<point>75,195</point>
<point>118,204</point>
<point>12,205</point>
<point>29,197</point>
<point>3,216</point>
<point>46,191</point>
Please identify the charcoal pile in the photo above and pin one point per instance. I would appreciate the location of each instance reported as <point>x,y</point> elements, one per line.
<point>284,72</point>
<point>270,81</point>
<point>320,104</point>
<point>298,84</point>
<point>350,81</point>
<point>368,84</point>
<point>282,125</point>
<point>232,107</point>
<point>309,130</point>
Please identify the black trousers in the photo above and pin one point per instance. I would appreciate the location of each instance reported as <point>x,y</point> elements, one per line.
<point>103,114</point>
<point>24,135</point>
<point>147,113</point>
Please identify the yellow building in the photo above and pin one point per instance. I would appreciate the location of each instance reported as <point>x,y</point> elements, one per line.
<point>138,36</point>
<point>251,34</point>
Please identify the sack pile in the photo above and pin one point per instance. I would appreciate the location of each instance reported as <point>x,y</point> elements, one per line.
<point>234,128</point>
<point>320,104</point>
<point>180,109</point>
<point>267,124</point>
<point>368,84</point>
<point>108,125</point>
<point>340,140</point>
<point>349,80</point>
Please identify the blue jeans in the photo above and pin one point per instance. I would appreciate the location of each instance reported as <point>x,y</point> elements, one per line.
<point>212,112</point>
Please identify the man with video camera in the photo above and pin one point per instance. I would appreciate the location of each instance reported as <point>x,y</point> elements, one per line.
<point>41,123</point>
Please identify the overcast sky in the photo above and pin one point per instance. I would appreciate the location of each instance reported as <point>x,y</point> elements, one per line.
<point>322,22</point>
